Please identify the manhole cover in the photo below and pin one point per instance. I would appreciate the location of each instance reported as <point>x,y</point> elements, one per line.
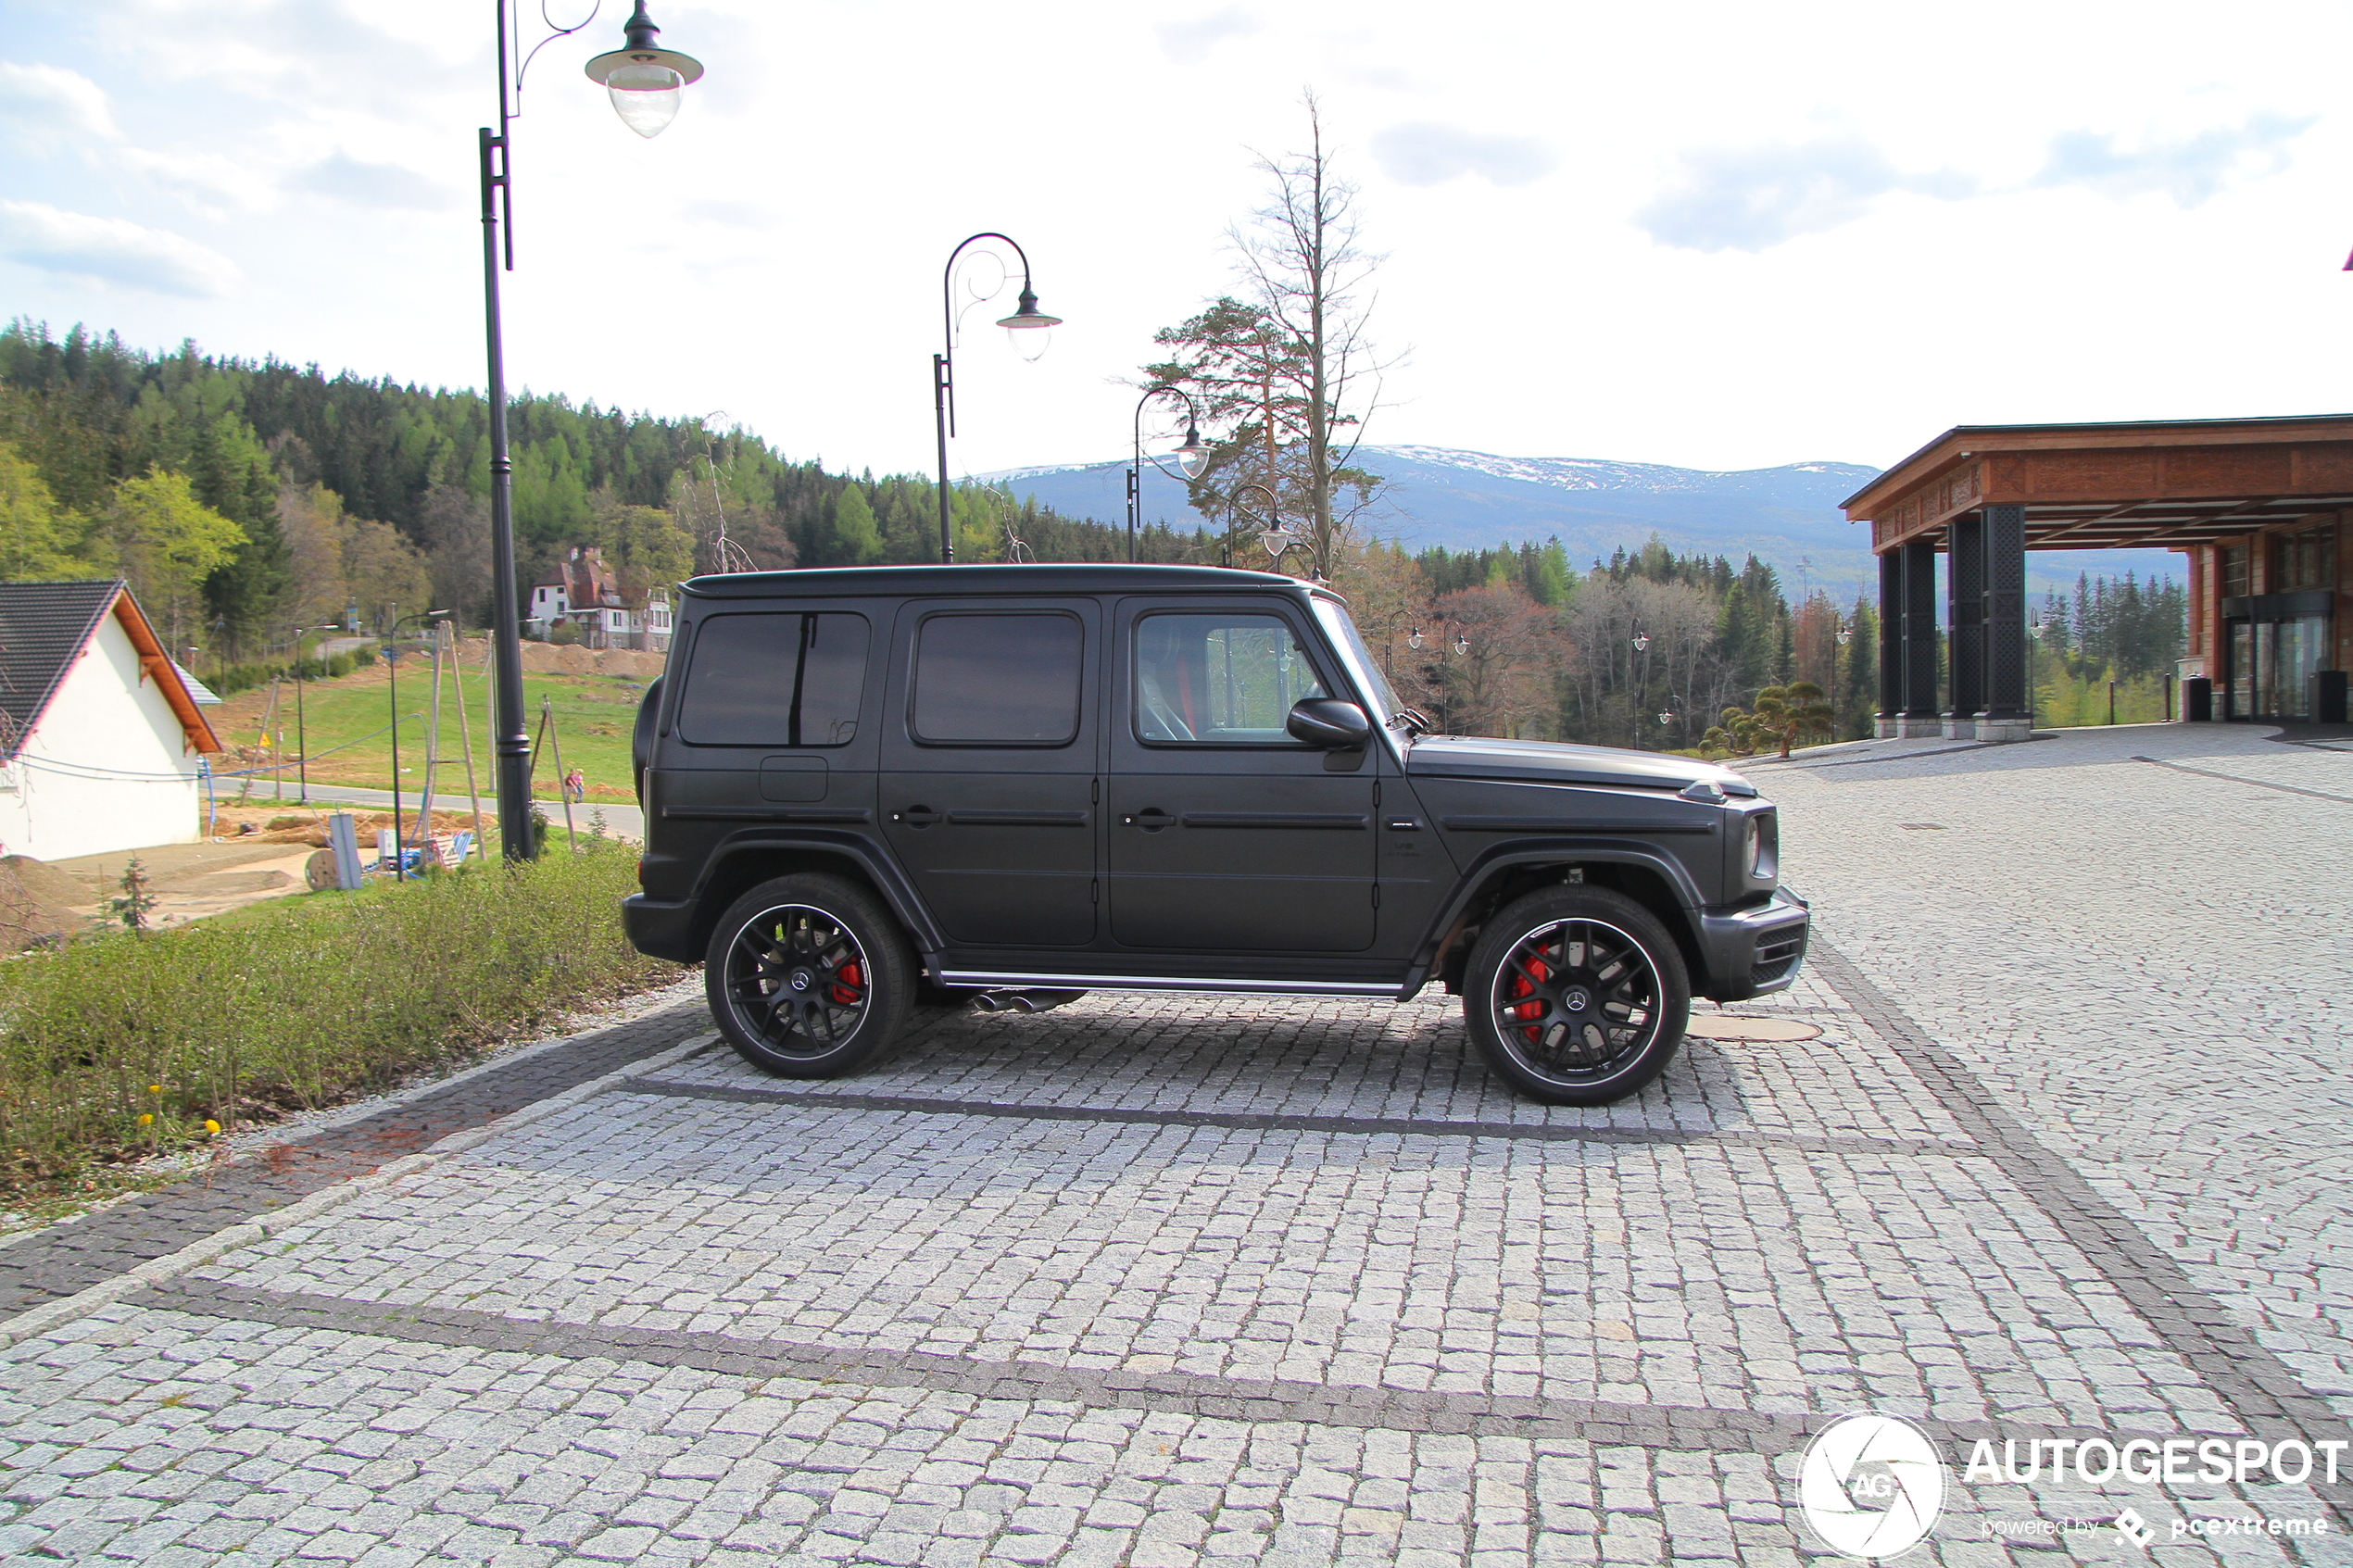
<point>1737,1026</point>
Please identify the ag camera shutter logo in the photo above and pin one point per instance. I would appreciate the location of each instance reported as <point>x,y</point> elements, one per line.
<point>1871,1485</point>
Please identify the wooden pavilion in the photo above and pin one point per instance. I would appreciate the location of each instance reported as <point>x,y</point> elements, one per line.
<point>2259,506</point>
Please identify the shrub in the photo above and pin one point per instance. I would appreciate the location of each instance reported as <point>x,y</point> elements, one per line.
<point>298,1003</point>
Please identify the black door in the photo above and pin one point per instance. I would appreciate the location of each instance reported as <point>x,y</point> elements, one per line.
<point>990,768</point>
<point>1223,833</point>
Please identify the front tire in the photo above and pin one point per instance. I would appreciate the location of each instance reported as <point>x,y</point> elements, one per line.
<point>1577,996</point>
<point>808,976</point>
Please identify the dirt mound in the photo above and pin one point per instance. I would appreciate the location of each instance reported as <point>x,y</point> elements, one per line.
<point>38,903</point>
<point>571,658</point>
<point>276,825</point>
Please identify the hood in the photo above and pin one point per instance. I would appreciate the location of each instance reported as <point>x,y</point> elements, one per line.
<point>1472,756</point>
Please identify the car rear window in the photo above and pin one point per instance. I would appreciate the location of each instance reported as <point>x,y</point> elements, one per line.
<point>771,680</point>
<point>998,680</point>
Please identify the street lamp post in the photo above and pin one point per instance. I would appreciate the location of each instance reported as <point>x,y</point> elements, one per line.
<point>646,84</point>
<point>1844,635</point>
<point>2034,629</point>
<point>1027,327</point>
<point>1642,642</point>
<point>302,732</point>
<point>1191,456</point>
<point>392,676</point>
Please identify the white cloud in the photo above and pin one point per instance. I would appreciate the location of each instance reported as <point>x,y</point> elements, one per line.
<point>1756,197</point>
<point>1190,43</point>
<point>2190,170</point>
<point>74,245</point>
<point>369,185</point>
<point>1427,154</point>
<point>50,101</point>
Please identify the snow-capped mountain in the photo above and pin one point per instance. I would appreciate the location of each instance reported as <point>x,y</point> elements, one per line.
<point>1788,516</point>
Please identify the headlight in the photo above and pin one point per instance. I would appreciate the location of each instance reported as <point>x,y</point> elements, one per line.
<point>1764,846</point>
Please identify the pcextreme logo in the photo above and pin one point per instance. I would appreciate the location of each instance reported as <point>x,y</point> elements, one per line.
<point>1871,1485</point>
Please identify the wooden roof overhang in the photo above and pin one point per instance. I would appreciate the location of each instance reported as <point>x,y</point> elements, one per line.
<point>2155,484</point>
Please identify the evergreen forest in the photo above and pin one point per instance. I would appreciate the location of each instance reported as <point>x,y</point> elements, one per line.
<point>248,501</point>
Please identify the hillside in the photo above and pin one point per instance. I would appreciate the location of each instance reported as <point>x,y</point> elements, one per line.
<point>1440,495</point>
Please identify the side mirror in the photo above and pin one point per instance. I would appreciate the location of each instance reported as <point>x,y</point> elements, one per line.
<point>1328,723</point>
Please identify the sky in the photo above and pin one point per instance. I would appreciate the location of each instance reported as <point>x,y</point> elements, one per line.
<point>1720,235</point>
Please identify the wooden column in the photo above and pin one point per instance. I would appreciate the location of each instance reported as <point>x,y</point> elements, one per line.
<point>2005,714</point>
<point>1920,639</point>
<point>1965,614</point>
<point>1891,646</point>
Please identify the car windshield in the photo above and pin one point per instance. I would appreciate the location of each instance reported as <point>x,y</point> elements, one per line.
<point>1361,663</point>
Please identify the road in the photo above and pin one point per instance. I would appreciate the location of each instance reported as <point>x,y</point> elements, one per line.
<point>623,819</point>
<point>2047,1148</point>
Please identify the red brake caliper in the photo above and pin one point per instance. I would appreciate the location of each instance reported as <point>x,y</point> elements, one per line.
<point>1521,987</point>
<point>846,983</point>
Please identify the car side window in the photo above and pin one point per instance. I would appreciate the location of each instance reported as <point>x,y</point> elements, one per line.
<point>775,680</point>
<point>1219,679</point>
<point>997,680</point>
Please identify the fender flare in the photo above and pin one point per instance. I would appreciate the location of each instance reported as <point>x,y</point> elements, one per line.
<point>883,876</point>
<point>1500,858</point>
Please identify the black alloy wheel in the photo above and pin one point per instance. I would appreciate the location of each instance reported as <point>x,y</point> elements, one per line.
<point>807,978</point>
<point>1577,996</point>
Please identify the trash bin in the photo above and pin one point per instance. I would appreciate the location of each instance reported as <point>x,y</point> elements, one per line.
<point>2328,697</point>
<point>2197,699</point>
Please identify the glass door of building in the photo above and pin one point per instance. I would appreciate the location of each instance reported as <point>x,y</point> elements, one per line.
<point>2270,661</point>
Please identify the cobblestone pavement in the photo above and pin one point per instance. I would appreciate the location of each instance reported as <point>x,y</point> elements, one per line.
<point>1161,1280</point>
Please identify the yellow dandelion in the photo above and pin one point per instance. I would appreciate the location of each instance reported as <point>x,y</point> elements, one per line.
<point>147,1118</point>
<point>155,1088</point>
<point>211,1126</point>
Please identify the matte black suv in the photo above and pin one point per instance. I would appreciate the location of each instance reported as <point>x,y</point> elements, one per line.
<point>873,789</point>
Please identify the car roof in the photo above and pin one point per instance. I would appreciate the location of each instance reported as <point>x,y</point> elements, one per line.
<point>991,578</point>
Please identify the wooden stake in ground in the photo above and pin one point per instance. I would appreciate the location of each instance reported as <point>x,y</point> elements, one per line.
<point>432,741</point>
<point>466,741</point>
<point>556,746</point>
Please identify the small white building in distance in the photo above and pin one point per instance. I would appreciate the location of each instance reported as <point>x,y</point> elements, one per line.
<point>583,591</point>
<point>102,740</point>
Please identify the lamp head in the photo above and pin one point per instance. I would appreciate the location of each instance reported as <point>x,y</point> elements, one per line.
<point>1414,640</point>
<point>1276,541</point>
<point>1666,716</point>
<point>1462,644</point>
<point>1029,328</point>
<point>1193,456</point>
<point>1642,642</point>
<point>647,83</point>
<point>1845,635</point>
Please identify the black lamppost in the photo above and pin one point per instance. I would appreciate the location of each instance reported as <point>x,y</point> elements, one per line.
<point>1191,456</point>
<point>1642,640</point>
<point>646,84</point>
<point>1844,635</point>
<point>1027,327</point>
<point>392,675</point>
<point>302,733</point>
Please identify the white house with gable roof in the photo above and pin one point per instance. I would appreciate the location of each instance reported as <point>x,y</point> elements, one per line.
<point>102,736</point>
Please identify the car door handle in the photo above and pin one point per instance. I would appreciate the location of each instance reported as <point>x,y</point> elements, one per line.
<point>916,816</point>
<point>1151,820</point>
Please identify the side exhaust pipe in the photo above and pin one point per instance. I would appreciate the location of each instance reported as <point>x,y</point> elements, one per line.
<point>1023,1001</point>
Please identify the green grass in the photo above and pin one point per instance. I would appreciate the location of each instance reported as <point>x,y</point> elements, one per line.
<point>348,722</point>
<point>293,1004</point>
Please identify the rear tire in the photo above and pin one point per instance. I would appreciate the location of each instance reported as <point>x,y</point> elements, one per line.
<point>809,976</point>
<point>1577,996</point>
